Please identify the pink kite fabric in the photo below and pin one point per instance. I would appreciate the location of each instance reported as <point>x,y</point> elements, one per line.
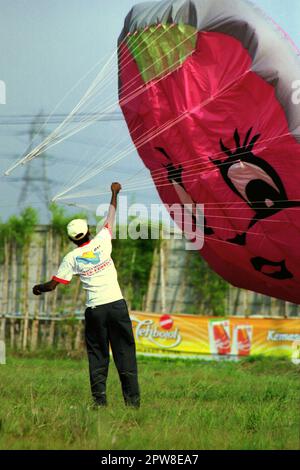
<point>233,152</point>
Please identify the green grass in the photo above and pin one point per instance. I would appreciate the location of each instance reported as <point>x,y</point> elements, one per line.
<point>185,405</point>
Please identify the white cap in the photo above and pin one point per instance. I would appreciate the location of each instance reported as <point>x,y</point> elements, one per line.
<point>77,229</point>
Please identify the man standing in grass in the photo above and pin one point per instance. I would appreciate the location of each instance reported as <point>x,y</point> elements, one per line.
<point>107,320</point>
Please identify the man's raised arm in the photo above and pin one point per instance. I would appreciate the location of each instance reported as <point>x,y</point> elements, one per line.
<point>115,189</point>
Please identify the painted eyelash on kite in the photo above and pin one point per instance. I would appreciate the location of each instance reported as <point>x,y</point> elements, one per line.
<point>254,180</point>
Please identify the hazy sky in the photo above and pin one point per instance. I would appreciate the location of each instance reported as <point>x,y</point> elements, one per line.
<point>46,47</point>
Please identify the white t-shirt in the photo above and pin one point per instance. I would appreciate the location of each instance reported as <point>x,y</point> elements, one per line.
<point>93,264</point>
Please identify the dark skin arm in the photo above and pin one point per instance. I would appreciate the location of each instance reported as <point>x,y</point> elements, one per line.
<point>115,189</point>
<point>47,287</point>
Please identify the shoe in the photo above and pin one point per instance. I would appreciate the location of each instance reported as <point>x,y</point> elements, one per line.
<point>133,402</point>
<point>100,401</point>
<point>99,404</point>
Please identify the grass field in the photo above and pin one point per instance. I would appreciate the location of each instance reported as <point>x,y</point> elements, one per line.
<point>185,405</point>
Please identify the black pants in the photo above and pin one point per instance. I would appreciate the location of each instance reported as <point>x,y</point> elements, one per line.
<point>111,324</point>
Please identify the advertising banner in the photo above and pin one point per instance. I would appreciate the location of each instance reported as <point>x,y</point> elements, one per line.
<point>192,335</point>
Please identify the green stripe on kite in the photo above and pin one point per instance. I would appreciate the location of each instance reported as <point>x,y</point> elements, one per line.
<point>159,51</point>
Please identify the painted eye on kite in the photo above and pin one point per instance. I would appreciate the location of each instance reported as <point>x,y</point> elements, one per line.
<point>253,184</point>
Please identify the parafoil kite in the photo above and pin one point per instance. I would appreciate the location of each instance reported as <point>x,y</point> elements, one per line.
<point>210,93</point>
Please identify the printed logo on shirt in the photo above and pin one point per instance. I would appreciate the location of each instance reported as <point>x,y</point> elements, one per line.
<point>88,258</point>
<point>97,269</point>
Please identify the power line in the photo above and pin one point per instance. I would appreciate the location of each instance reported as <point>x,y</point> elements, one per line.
<point>26,119</point>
